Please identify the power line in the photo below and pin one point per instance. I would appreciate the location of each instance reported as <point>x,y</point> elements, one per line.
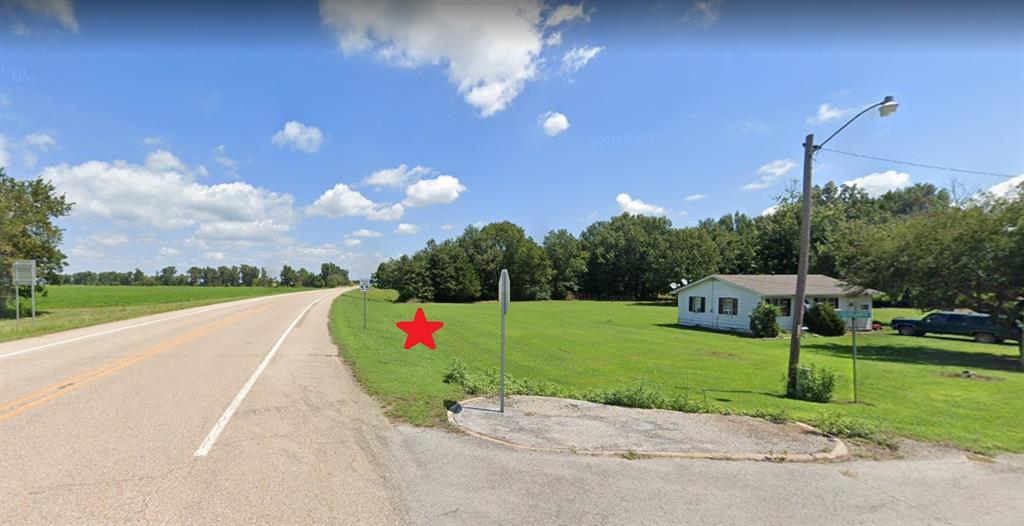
<point>919,165</point>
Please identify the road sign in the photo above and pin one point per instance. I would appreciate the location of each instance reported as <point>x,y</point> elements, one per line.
<point>364,285</point>
<point>854,314</point>
<point>25,272</point>
<point>504,285</point>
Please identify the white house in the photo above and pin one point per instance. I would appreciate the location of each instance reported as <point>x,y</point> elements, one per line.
<point>725,301</point>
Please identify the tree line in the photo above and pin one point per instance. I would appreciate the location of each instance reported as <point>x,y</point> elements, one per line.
<point>330,275</point>
<point>917,244</point>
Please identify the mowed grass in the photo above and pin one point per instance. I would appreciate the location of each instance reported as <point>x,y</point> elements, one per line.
<point>906,383</point>
<point>71,306</point>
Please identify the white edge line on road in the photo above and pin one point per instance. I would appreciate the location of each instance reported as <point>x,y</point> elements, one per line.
<point>119,329</point>
<point>218,428</point>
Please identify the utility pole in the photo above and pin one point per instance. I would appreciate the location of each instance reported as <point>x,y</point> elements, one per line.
<point>801,273</point>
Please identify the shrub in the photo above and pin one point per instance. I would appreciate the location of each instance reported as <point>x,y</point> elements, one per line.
<point>814,384</point>
<point>822,319</point>
<point>762,321</point>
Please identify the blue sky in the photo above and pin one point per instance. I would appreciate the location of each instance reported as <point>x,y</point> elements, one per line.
<point>168,125</point>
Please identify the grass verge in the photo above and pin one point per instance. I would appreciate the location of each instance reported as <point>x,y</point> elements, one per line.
<point>608,349</point>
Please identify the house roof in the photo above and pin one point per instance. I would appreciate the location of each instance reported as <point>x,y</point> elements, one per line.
<point>785,284</point>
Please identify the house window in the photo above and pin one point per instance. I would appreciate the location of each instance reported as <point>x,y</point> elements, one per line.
<point>728,306</point>
<point>834,302</point>
<point>784,304</point>
<point>696,303</point>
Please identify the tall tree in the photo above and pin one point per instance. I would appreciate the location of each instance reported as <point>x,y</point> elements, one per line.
<point>568,262</point>
<point>27,231</point>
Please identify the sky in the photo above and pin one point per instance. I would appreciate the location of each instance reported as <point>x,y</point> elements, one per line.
<point>190,133</point>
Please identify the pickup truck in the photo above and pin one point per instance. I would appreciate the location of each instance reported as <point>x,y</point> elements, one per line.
<point>982,327</point>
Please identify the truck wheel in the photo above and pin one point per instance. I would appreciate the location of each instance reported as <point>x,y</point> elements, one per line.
<point>985,337</point>
<point>906,330</point>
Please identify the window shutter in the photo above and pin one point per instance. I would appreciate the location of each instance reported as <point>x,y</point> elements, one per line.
<point>702,303</point>
<point>735,305</point>
<point>721,303</point>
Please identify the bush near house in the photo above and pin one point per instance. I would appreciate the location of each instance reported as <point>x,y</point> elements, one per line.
<point>822,320</point>
<point>763,323</point>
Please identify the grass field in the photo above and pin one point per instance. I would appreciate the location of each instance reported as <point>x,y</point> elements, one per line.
<point>905,383</point>
<point>72,306</point>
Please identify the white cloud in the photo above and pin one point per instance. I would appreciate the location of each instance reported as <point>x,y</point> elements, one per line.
<point>577,57</point>
<point>638,207</point>
<point>351,242</point>
<point>695,197</point>
<point>83,251</point>
<point>169,252</point>
<point>828,112</point>
<point>447,226</point>
<point>362,232</point>
<point>109,240</point>
<point>407,229</point>
<point>769,173</point>
<point>566,13</point>
<point>131,194</point>
<point>443,189</point>
<point>216,256</point>
<point>299,136</point>
<point>879,183</point>
<point>40,141</point>
<point>490,49</point>
<point>1007,188</point>
<point>770,210</point>
<point>705,12</point>
<point>164,161</point>
<point>554,123</point>
<point>63,11</point>
<point>396,177</point>
<point>553,39</point>
<point>220,157</point>
<point>343,201</point>
<point>154,141</point>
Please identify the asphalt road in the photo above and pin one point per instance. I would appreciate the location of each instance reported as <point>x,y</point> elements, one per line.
<point>241,413</point>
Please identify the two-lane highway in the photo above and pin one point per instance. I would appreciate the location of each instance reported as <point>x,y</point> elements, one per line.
<point>219,414</point>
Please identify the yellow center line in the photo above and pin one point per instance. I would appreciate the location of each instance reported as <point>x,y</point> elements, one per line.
<point>63,387</point>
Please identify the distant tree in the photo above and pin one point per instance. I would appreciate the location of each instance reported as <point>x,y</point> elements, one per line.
<point>166,275</point>
<point>505,245</point>
<point>626,257</point>
<point>452,276</point>
<point>568,262</point>
<point>195,276</point>
<point>332,275</point>
<point>248,275</point>
<point>289,278</point>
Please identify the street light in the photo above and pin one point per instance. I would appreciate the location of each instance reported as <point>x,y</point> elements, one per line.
<point>886,107</point>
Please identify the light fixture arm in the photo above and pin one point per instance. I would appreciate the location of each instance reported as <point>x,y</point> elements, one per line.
<point>865,110</point>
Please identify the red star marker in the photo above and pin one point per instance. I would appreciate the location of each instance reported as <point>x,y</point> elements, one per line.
<point>419,330</point>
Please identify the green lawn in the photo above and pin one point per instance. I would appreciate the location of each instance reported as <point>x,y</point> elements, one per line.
<point>72,306</point>
<point>904,382</point>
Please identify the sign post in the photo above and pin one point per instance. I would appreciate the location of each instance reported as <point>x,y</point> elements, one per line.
<point>364,287</point>
<point>24,274</point>
<point>503,298</point>
<point>853,316</point>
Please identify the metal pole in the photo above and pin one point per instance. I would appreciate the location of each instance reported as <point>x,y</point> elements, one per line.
<point>33,294</point>
<point>801,276</point>
<point>364,310</point>
<point>17,306</point>
<point>501,381</point>
<point>854,323</point>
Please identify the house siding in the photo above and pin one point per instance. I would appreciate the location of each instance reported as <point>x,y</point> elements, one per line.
<point>714,289</point>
